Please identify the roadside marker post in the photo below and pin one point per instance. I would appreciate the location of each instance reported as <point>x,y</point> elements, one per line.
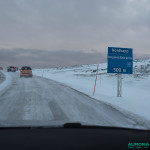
<point>95,79</point>
<point>120,61</point>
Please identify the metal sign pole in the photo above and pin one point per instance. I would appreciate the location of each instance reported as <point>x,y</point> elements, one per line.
<point>119,85</point>
<point>100,79</point>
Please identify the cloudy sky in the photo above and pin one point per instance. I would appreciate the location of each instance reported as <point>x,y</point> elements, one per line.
<point>69,32</point>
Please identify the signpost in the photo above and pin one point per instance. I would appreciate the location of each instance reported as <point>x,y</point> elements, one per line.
<point>120,61</point>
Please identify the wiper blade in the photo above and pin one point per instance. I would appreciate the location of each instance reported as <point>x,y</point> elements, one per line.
<point>80,125</point>
<point>73,125</point>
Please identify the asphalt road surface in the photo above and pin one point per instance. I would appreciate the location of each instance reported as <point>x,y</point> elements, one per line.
<point>40,101</point>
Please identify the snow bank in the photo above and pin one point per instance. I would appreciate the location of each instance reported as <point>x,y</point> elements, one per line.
<point>6,82</point>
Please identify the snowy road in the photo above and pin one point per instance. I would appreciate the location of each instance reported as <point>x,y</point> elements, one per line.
<point>30,100</point>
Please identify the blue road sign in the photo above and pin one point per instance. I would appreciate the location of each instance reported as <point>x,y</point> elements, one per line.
<point>120,60</point>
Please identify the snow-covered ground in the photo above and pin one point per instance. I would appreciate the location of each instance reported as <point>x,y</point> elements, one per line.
<point>135,88</point>
<point>5,80</point>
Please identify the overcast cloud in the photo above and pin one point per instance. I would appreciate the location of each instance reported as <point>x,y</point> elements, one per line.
<point>44,58</point>
<point>76,26</point>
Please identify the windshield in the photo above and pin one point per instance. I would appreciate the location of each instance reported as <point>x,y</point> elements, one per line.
<point>77,61</point>
<point>25,68</point>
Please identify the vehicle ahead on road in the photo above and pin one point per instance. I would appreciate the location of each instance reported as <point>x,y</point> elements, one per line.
<point>1,68</point>
<point>11,69</point>
<point>26,71</point>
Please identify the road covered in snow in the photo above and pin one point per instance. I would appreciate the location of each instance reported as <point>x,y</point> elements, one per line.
<point>135,88</point>
<point>40,101</point>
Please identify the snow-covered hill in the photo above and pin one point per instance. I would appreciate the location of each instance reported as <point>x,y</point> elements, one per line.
<point>135,88</point>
